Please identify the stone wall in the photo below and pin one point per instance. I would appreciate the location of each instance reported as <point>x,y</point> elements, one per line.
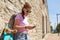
<point>39,9</point>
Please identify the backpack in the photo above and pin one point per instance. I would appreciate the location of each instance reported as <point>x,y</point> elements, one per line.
<point>4,35</point>
<point>7,36</point>
<point>11,21</point>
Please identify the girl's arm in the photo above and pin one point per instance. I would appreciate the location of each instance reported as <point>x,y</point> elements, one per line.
<point>16,25</point>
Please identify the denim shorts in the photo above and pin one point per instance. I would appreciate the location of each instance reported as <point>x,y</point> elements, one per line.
<point>20,36</point>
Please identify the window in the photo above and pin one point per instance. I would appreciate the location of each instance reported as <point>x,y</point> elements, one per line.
<point>43,1</point>
<point>46,24</point>
<point>43,26</point>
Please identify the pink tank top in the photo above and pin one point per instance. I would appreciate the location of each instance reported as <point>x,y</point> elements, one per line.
<point>21,23</point>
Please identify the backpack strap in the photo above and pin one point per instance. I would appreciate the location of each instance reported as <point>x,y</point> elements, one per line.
<point>11,21</point>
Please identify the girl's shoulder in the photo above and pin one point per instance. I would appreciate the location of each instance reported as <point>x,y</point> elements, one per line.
<point>19,16</point>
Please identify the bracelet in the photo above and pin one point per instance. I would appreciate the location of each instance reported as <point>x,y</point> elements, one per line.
<point>25,26</point>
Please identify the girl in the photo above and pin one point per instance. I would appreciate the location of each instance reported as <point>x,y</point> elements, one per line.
<point>20,25</point>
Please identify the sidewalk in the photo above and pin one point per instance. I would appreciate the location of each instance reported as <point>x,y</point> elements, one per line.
<point>51,36</point>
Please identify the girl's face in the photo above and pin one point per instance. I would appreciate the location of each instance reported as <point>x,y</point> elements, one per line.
<point>27,11</point>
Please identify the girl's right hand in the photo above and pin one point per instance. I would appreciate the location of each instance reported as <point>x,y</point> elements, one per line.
<point>30,27</point>
<point>7,31</point>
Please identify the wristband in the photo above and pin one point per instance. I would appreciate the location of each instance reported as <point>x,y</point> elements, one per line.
<point>25,26</point>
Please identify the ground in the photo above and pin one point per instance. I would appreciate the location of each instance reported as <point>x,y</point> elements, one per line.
<point>52,36</point>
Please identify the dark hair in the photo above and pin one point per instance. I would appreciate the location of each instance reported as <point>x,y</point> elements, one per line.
<point>22,13</point>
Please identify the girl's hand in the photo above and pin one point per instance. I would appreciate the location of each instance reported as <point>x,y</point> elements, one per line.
<point>14,31</point>
<point>7,31</point>
<point>34,26</point>
<point>30,27</point>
